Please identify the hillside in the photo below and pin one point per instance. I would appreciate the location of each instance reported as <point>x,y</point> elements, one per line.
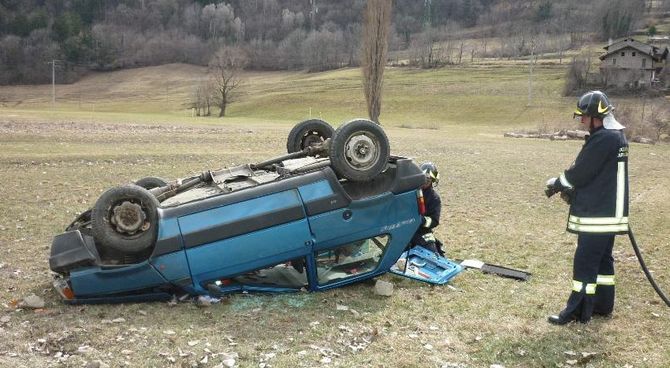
<point>86,35</point>
<point>482,94</point>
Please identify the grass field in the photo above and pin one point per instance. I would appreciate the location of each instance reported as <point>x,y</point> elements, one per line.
<point>56,162</point>
<point>473,95</point>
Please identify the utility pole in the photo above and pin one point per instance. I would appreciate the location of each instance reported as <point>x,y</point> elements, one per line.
<point>531,62</point>
<point>167,95</point>
<point>530,79</point>
<point>53,81</point>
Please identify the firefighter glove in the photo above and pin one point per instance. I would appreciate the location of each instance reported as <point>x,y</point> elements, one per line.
<point>553,187</point>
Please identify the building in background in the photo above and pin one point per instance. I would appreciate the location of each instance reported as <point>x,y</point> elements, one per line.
<point>628,63</point>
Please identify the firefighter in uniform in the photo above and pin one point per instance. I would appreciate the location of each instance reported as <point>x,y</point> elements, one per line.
<point>424,235</point>
<point>596,186</point>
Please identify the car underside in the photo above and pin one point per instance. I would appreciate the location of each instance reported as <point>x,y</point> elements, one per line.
<point>336,209</point>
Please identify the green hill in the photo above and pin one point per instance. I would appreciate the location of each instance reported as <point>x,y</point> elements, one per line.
<point>475,94</point>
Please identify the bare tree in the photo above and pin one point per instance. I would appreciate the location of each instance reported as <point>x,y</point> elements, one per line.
<point>644,118</point>
<point>619,17</point>
<point>225,70</point>
<point>562,44</point>
<point>576,78</point>
<point>323,50</point>
<point>375,46</point>
<point>201,98</point>
<point>422,49</point>
<point>221,22</point>
<point>658,118</point>
<point>289,50</point>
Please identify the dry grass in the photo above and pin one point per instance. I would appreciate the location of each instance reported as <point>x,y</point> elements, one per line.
<point>479,94</point>
<point>494,210</point>
<point>56,164</point>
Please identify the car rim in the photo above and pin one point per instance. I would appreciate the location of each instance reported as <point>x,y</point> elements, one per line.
<point>129,218</point>
<point>361,151</point>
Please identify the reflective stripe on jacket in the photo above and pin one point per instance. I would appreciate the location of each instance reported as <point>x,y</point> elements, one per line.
<point>599,176</point>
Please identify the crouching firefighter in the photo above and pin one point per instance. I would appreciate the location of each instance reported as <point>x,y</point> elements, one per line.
<point>431,218</point>
<point>596,187</point>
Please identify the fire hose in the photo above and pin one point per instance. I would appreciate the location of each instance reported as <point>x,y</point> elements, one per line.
<point>551,191</point>
<point>645,269</point>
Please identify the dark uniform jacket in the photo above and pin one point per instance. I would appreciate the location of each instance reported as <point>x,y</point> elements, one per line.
<point>431,218</point>
<point>599,177</point>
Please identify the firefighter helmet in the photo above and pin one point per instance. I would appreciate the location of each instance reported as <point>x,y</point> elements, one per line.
<point>594,104</point>
<point>431,172</point>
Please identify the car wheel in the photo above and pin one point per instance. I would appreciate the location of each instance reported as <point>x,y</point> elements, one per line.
<point>151,182</point>
<point>359,150</point>
<point>306,133</point>
<point>125,219</point>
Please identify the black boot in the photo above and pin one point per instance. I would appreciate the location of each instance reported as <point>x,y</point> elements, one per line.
<point>560,319</point>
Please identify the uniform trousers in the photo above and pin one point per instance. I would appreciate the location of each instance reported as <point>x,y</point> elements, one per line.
<point>593,278</point>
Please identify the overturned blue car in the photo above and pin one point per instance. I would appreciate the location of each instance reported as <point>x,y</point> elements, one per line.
<point>336,209</point>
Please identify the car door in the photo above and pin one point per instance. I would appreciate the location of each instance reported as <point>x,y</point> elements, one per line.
<point>235,238</point>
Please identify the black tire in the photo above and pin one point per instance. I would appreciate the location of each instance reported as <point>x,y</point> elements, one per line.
<point>125,219</point>
<point>306,133</point>
<point>151,182</point>
<point>359,150</point>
